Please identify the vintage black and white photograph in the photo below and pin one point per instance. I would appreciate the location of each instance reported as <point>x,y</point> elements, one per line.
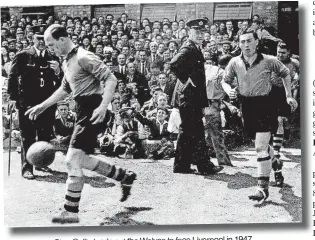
<point>151,114</point>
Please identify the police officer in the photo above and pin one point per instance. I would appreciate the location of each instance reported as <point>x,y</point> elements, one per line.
<point>35,74</point>
<point>188,65</point>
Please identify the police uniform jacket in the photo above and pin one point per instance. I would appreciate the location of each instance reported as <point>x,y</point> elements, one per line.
<point>31,80</point>
<point>188,65</point>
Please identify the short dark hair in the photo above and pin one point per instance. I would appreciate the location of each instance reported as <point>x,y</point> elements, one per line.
<point>283,45</point>
<point>250,31</point>
<point>57,31</point>
<point>256,21</point>
<point>163,109</point>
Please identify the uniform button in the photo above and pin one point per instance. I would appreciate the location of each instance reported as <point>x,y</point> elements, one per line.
<point>40,67</point>
<point>41,73</point>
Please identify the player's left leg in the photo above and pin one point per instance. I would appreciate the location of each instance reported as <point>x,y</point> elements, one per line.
<point>263,166</point>
<point>278,137</point>
<point>277,164</point>
<point>76,160</point>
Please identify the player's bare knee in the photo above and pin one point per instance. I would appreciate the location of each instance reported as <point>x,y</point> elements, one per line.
<point>73,161</point>
<point>261,149</point>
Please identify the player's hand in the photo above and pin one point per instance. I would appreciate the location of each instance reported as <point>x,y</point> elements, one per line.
<point>233,93</point>
<point>98,115</point>
<point>55,66</point>
<point>293,103</point>
<point>35,111</point>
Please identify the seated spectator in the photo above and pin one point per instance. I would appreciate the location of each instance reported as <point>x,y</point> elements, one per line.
<point>63,126</point>
<point>164,149</point>
<point>152,103</point>
<point>126,139</point>
<point>121,87</point>
<point>86,44</point>
<point>172,47</point>
<point>99,51</point>
<point>161,103</point>
<point>7,65</point>
<point>106,140</point>
<point>161,49</point>
<point>166,86</point>
<point>167,68</point>
<point>134,95</point>
<point>4,55</point>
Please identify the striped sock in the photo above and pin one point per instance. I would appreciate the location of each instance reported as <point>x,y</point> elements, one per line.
<point>277,144</point>
<point>111,171</point>
<point>264,169</point>
<point>73,194</point>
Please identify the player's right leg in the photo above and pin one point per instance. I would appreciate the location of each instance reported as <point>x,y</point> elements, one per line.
<point>74,187</point>
<point>263,166</point>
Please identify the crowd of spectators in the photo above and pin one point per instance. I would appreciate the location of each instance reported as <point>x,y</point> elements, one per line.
<point>143,118</point>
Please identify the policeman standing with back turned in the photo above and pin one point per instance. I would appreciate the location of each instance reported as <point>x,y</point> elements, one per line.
<point>34,76</point>
<point>188,65</point>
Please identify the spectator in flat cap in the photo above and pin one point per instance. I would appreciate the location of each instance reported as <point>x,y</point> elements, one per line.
<point>12,44</point>
<point>86,44</point>
<point>226,48</point>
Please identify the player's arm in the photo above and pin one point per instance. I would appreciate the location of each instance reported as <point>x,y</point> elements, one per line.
<point>268,36</point>
<point>227,79</point>
<point>283,72</point>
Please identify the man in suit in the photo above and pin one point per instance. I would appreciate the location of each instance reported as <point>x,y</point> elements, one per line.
<point>134,76</point>
<point>110,65</point>
<point>108,31</point>
<point>122,67</point>
<point>166,86</point>
<point>229,30</point>
<point>143,66</point>
<point>188,65</point>
<point>154,59</point>
<point>35,74</point>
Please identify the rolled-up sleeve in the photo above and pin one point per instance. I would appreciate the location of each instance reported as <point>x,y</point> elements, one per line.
<point>92,64</point>
<point>279,68</point>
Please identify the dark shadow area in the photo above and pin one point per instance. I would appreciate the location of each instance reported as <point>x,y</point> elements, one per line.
<point>233,158</point>
<point>236,181</point>
<point>293,158</point>
<point>293,204</point>
<point>61,177</point>
<point>124,218</point>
